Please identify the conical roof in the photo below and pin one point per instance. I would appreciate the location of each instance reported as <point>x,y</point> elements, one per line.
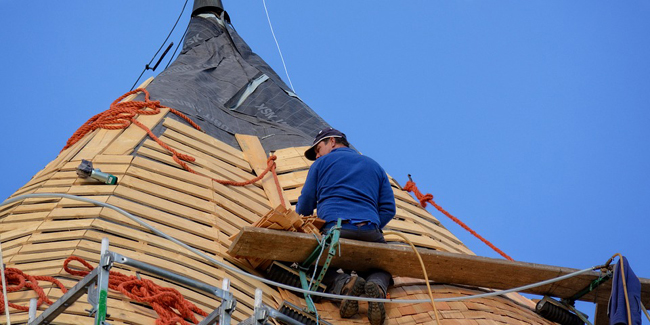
<point>59,174</point>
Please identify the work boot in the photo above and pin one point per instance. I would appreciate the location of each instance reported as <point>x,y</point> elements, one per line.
<point>376,310</point>
<point>353,287</point>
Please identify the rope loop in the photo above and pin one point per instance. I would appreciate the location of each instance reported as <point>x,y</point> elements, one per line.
<point>428,198</point>
<point>21,280</point>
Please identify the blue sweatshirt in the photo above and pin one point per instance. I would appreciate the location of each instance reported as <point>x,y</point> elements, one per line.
<point>344,184</point>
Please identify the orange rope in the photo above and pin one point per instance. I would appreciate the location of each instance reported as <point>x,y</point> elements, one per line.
<point>121,114</point>
<point>428,198</point>
<point>21,281</point>
<point>170,305</point>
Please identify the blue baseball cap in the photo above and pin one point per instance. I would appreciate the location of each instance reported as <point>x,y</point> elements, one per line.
<point>323,134</point>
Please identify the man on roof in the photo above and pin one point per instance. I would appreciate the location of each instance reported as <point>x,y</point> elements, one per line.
<point>343,184</point>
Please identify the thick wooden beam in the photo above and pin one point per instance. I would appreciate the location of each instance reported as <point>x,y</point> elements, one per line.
<point>254,153</point>
<point>442,267</point>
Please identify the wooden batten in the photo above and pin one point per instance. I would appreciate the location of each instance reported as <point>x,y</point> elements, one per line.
<point>254,152</point>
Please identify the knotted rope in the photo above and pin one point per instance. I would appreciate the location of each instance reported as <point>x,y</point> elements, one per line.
<point>428,198</point>
<point>120,115</point>
<point>22,281</point>
<point>168,303</point>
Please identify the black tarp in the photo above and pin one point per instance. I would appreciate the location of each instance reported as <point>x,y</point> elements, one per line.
<point>224,87</point>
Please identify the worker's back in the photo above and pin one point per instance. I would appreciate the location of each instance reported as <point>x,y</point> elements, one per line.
<point>349,186</point>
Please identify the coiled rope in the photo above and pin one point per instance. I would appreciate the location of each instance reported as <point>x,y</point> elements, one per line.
<point>169,304</point>
<point>121,114</point>
<point>20,280</point>
<point>428,198</point>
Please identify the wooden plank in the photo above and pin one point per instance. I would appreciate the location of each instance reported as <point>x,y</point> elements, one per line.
<point>417,210</point>
<point>48,247</point>
<point>404,196</point>
<point>102,189</point>
<point>65,225</point>
<point>168,194</point>
<point>194,133</point>
<point>19,225</point>
<point>133,135</point>
<point>199,235</point>
<point>170,171</point>
<point>39,179</point>
<point>56,236</point>
<point>237,209</point>
<point>292,195</point>
<point>254,153</point>
<point>251,192</point>
<point>72,203</point>
<point>25,217</point>
<point>420,241</point>
<point>287,165</point>
<point>54,255</point>
<point>294,179</point>
<point>209,151</point>
<point>435,230</point>
<point>294,152</point>
<point>163,204</point>
<point>414,228</point>
<point>113,159</point>
<point>105,139</point>
<point>104,167</point>
<point>66,155</point>
<point>206,160</point>
<point>101,139</point>
<point>212,168</point>
<point>442,267</point>
<point>203,192</point>
<point>68,213</point>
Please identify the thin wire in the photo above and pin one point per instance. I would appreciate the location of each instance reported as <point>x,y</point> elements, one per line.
<point>162,45</point>
<point>277,284</point>
<point>177,46</point>
<point>278,45</point>
<point>170,32</point>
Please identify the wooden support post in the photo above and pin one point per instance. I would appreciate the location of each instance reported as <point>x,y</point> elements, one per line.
<point>254,153</point>
<point>601,317</point>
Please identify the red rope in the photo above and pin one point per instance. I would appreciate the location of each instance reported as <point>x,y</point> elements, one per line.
<point>21,281</point>
<point>121,114</point>
<point>168,303</point>
<point>428,198</point>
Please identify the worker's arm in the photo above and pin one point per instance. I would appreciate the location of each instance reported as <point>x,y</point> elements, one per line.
<point>386,202</point>
<point>307,200</point>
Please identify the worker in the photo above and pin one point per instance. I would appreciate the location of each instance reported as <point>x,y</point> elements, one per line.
<point>343,184</point>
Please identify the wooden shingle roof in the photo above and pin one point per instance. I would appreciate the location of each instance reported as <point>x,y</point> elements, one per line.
<point>38,234</point>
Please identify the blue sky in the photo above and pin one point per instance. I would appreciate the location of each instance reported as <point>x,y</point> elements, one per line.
<point>528,120</point>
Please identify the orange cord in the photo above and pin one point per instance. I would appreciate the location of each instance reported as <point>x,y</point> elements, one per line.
<point>170,305</point>
<point>121,114</point>
<point>21,281</point>
<point>428,198</point>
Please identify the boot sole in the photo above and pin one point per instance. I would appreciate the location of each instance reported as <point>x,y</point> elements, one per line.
<point>376,310</point>
<point>350,308</point>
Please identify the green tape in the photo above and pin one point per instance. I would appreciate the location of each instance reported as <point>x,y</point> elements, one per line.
<point>101,308</point>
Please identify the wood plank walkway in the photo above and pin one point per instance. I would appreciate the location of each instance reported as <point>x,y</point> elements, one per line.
<point>442,267</point>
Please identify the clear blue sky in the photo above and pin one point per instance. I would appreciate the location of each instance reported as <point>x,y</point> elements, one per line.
<point>528,120</point>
